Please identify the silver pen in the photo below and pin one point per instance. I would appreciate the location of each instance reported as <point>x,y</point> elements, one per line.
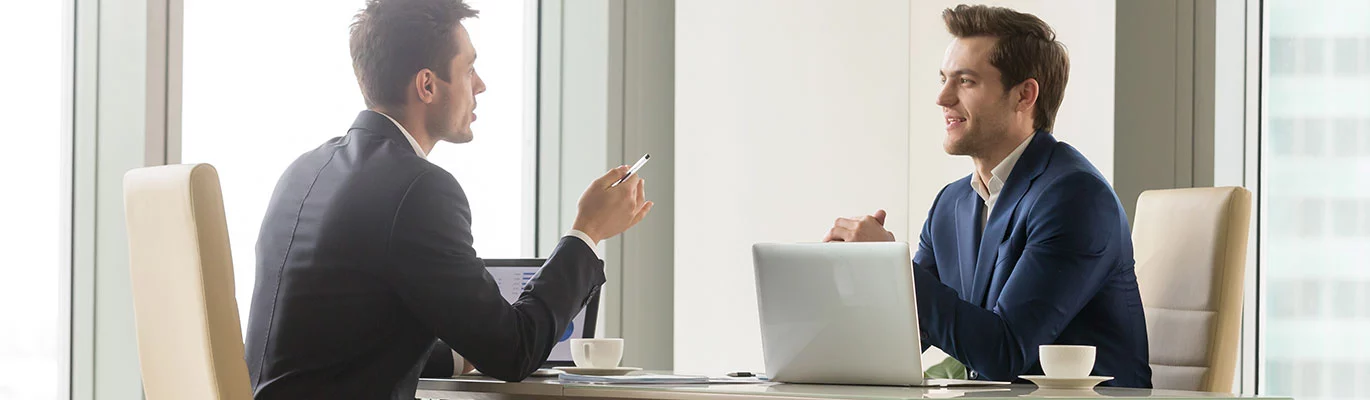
<point>636,166</point>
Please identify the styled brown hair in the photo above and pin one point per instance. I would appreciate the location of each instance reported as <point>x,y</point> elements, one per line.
<point>394,39</point>
<point>1026,48</point>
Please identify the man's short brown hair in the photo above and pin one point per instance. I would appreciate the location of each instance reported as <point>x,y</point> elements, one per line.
<point>394,39</point>
<point>1026,48</point>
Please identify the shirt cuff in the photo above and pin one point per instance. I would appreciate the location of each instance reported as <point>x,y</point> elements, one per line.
<point>588,242</point>
<point>458,363</point>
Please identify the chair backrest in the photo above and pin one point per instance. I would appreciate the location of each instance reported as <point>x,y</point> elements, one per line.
<point>1190,247</point>
<point>190,344</point>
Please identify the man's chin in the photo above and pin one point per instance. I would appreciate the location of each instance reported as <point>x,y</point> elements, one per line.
<point>953,147</point>
<point>459,139</point>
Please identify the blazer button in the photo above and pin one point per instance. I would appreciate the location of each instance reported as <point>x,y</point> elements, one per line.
<point>974,375</point>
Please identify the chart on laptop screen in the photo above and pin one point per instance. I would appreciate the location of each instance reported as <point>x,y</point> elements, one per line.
<point>511,281</point>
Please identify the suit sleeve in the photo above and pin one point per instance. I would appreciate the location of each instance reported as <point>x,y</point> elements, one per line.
<point>439,363</point>
<point>926,260</point>
<point>438,277</point>
<point>1066,260</point>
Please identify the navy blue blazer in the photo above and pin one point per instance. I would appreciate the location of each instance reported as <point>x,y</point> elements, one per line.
<point>1053,266</point>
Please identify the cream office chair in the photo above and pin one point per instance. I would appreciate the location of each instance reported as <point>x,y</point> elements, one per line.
<point>190,345</point>
<point>1190,247</point>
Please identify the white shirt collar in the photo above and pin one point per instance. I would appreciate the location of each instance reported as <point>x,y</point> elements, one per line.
<point>989,191</point>
<point>417,149</point>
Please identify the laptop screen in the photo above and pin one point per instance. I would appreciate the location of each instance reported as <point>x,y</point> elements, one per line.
<point>513,274</point>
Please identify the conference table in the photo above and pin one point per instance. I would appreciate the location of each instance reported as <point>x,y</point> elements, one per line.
<point>551,388</point>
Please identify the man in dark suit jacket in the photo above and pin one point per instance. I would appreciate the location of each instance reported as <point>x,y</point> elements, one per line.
<point>365,257</point>
<point>1032,248</point>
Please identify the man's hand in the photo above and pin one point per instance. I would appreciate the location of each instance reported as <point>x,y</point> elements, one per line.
<point>870,228</point>
<point>606,211</point>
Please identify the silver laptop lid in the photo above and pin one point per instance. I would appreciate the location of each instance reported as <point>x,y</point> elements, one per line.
<point>840,313</point>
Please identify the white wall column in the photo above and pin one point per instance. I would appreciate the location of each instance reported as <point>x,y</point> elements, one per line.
<point>788,115</point>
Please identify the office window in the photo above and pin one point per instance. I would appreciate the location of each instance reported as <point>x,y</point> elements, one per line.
<point>1314,137</point>
<point>1310,298</point>
<point>1345,227</point>
<point>1365,56</point>
<point>1343,371</point>
<point>1344,299</point>
<point>1363,385</point>
<point>1279,375</point>
<point>1364,312</point>
<point>1311,57</point>
<point>1347,53</point>
<point>1310,217</point>
<point>265,81</point>
<point>1347,135</point>
<point>1364,129</point>
<point>31,214</point>
<point>1282,58</point>
<point>1365,224</point>
<point>1281,136</point>
<point>1310,380</point>
<point>1314,276</point>
<point>1283,299</point>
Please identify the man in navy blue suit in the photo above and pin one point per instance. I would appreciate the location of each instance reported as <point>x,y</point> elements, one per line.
<point>1033,247</point>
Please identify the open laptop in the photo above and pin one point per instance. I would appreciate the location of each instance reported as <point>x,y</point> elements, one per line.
<point>513,274</point>
<point>840,313</point>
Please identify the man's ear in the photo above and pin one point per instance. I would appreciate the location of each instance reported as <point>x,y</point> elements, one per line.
<point>425,85</point>
<point>1027,94</point>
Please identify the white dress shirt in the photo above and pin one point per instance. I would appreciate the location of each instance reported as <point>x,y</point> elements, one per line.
<point>457,360</point>
<point>989,191</point>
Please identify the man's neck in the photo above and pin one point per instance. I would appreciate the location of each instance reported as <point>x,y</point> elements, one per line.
<point>987,160</point>
<point>413,124</point>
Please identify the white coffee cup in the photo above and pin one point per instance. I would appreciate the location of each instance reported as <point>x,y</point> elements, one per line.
<point>1066,361</point>
<point>597,353</point>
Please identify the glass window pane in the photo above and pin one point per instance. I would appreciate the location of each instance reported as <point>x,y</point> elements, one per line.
<point>1280,137</point>
<point>1345,227</point>
<point>255,99</point>
<point>1283,297</point>
<point>1344,300</point>
<point>1311,59</point>
<point>1364,129</point>
<point>31,214</point>
<point>1365,56</point>
<point>1365,227</point>
<point>1346,51</point>
<point>1315,201</point>
<point>1314,137</point>
<point>1347,135</point>
<point>1309,380</point>
<point>1310,217</point>
<point>1282,58</point>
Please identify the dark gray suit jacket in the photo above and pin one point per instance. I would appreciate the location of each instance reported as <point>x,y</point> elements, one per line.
<point>364,261</point>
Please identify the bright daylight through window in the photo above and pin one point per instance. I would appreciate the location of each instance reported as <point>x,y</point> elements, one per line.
<point>31,213</point>
<point>255,99</point>
<point>1315,208</point>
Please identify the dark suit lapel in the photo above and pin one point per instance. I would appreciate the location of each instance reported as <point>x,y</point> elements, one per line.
<point>968,228</point>
<point>1030,164</point>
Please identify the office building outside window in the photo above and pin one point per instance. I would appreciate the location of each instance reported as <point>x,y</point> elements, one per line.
<point>266,81</point>
<point>1315,211</point>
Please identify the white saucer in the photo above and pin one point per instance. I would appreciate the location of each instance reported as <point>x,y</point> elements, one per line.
<point>599,371</point>
<point>1050,382</point>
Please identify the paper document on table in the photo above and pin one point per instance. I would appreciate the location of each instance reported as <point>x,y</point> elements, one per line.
<point>634,379</point>
<point>936,382</point>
